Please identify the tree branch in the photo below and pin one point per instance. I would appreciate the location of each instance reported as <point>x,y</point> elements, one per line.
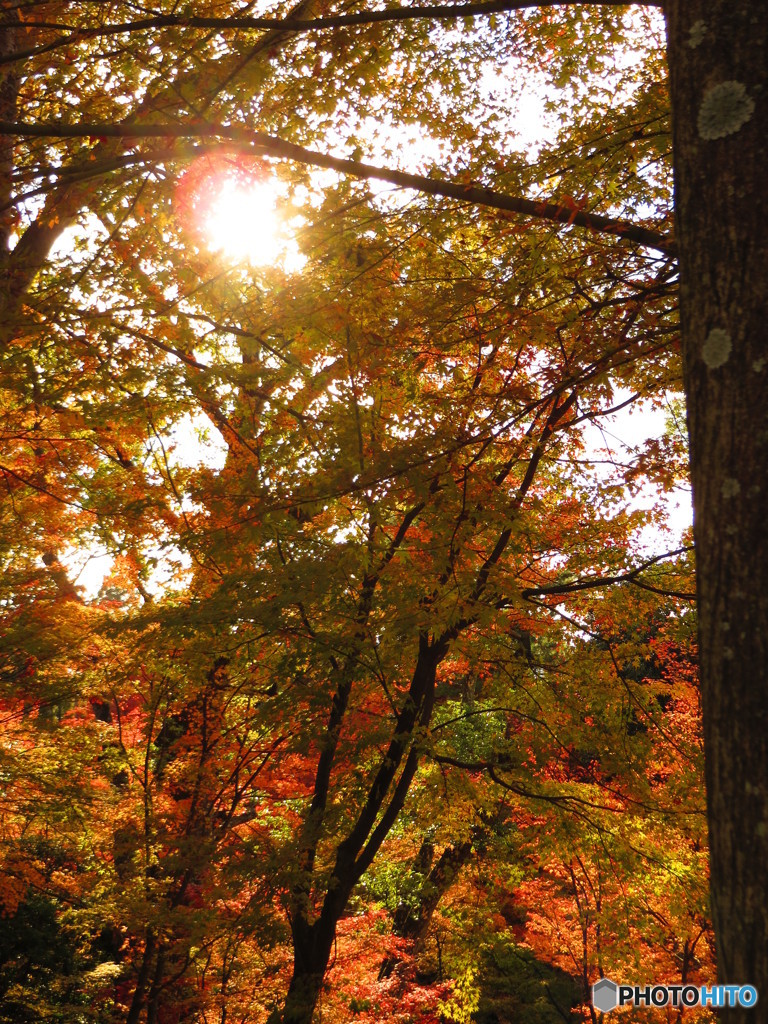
<point>300,25</point>
<point>269,145</point>
<point>596,582</point>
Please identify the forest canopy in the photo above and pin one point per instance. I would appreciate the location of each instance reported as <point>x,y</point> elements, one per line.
<point>386,707</point>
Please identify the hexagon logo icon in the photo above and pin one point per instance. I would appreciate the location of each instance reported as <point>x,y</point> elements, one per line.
<point>605,995</point>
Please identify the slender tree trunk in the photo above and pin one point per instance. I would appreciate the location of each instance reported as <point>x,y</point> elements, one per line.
<point>139,993</point>
<point>718,56</point>
<point>413,922</point>
<point>313,942</point>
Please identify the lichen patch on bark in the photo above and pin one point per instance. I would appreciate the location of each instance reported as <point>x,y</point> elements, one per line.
<point>716,350</point>
<point>725,109</point>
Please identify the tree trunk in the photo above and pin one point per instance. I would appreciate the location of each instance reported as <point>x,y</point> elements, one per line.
<point>718,56</point>
<point>303,996</point>
<point>139,993</point>
<point>10,79</point>
<point>312,945</point>
<point>412,922</point>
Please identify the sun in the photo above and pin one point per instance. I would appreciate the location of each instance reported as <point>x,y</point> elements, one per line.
<point>242,223</point>
<point>239,210</point>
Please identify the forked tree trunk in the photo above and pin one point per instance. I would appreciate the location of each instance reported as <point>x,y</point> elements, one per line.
<point>412,922</point>
<point>718,56</point>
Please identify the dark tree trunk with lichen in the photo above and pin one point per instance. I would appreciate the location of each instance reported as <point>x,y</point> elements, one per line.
<point>10,78</point>
<point>718,57</point>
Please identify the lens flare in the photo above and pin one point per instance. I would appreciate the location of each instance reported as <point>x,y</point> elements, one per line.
<point>231,208</point>
<point>243,223</point>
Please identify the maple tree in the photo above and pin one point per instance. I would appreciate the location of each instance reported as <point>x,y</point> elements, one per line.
<point>372,592</point>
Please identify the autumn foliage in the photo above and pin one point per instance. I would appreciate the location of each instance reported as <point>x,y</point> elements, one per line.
<point>386,707</point>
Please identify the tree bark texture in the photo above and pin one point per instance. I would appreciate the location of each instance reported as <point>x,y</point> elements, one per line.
<point>718,57</point>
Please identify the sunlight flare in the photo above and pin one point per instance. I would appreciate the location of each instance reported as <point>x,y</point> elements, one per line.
<point>244,225</point>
